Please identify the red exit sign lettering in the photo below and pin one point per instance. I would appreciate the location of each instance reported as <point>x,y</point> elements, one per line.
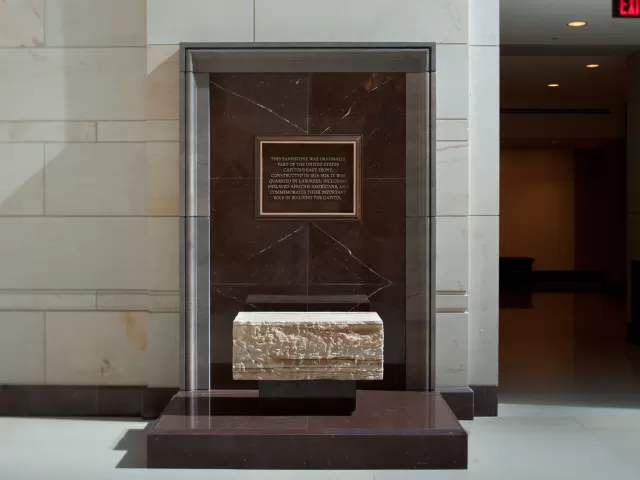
<point>626,8</point>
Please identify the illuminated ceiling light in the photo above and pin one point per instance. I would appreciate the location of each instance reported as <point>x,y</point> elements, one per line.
<point>553,85</point>
<point>592,65</point>
<point>576,24</point>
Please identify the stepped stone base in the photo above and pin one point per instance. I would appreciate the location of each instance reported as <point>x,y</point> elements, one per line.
<point>227,430</point>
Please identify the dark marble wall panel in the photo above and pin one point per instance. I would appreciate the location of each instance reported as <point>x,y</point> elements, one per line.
<point>370,251</point>
<point>369,104</point>
<point>244,105</point>
<point>316,258</point>
<point>245,250</point>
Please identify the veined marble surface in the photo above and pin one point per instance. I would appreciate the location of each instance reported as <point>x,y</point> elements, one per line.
<point>307,346</point>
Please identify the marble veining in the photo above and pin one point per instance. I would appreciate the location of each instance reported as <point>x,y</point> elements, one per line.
<point>370,85</point>
<point>348,250</point>
<point>342,117</point>
<point>232,297</point>
<point>264,107</point>
<point>269,247</point>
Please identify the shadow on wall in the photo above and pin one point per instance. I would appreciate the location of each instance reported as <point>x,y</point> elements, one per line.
<point>76,189</point>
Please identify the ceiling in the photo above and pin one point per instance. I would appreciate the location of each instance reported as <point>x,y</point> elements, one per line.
<point>538,48</point>
<point>524,81</point>
<point>544,22</point>
<point>589,105</point>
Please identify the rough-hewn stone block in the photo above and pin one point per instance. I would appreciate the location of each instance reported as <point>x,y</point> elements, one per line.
<point>307,346</point>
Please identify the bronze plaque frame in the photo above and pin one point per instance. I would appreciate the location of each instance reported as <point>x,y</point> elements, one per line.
<point>356,210</point>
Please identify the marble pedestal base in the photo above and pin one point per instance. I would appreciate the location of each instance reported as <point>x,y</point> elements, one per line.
<point>228,430</point>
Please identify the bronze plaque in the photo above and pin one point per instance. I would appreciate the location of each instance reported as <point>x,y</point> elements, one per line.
<point>308,176</point>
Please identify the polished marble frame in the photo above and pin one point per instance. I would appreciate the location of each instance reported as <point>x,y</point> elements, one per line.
<point>197,62</point>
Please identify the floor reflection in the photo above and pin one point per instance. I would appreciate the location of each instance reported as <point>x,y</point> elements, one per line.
<point>567,348</point>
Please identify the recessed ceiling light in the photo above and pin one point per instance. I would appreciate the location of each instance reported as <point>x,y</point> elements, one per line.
<point>592,65</point>
<point>553,85</point>
<point>576,24</point>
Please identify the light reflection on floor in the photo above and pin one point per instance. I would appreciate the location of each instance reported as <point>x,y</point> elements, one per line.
<point>568,348</point>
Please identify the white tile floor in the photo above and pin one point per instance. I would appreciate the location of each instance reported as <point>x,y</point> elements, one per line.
<point>525,442</point>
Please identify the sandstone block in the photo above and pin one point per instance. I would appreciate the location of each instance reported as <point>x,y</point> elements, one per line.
<point>307,346</point>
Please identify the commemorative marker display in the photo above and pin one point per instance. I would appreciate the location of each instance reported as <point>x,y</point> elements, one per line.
<point>308,177</point>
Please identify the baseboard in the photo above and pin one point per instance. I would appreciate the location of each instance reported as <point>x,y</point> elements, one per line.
<point>460,401</point>
<point>148,402</point>
<point>472,401</point>
<point>485,400</point>
<point>83,401</point>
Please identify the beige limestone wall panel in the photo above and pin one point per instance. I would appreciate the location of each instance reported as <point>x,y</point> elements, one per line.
<point>139,131</point>
<point>163,84</point>
<point>130,301</point>
<point>452,355</point>
<point>164,302</point>
<point>452,130</point>
<point>95,23</point>
<point>47,300</point>
<point>484,189</point>
<point>484,128</point>
<point>52,131</point>
<point>95,179</point>
<point>21,179</point>
<point>452,302</point>
<point>484,22</point>
<point>162,131</point>
<point>163,178</point>
<point>163,357</point>
<point>89,300</point>
<point>483,299</point>
<point>452,254</point>
<point>73,253</point>
<point>163,253</point>
<point>361,21</point>
<point>22,23</point>
<point>96,348</point>
<point>72,84</point>
<point>172,22</point>
<point>113,131</point>
<point>452,178</point>
<point>452,82</point>
<point>22,348</point>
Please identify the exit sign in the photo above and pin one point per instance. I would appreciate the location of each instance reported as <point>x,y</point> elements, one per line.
<point>626,8</point>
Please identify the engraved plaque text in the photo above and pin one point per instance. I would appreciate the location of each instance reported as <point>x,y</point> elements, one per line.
<point>308,176</point>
